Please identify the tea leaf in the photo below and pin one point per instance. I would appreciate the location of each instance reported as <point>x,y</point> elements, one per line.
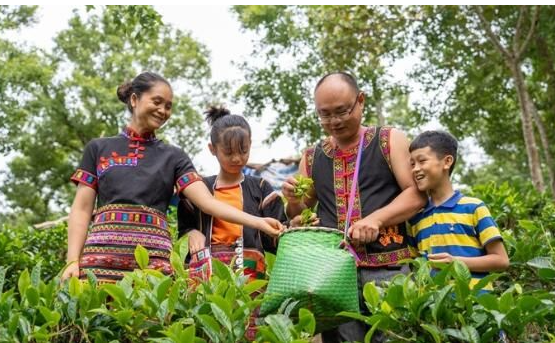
<point>141,256</point>
<point>433,331</point>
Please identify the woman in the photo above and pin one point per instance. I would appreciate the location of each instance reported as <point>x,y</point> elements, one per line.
<point>131,178</point>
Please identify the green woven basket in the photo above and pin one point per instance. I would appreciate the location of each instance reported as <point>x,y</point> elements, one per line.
<point>311,267</point>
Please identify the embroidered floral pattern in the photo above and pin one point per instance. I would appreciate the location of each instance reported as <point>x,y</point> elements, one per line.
<point>106,163</point>
<point>382,259</point>
<point>390,235</point>
<point>132,158</point>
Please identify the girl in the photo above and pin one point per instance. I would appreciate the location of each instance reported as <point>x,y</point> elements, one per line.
<point>131,178</point>
<point>230,142</point>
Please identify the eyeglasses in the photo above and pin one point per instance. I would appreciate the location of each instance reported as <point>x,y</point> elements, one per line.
<point>326,119</point>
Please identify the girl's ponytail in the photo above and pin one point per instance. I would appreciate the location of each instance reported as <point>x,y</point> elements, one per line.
<point>214,113</point>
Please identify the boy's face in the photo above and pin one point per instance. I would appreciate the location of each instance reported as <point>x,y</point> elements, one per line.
<point>428,169</point>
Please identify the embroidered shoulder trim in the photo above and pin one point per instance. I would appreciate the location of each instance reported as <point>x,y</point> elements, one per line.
<point>309,154</point>
<point>185,180</point>
<point>385,133</point>
<point>86,178</point>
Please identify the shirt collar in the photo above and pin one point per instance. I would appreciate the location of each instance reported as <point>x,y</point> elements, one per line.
<point>133,135</point>
<point>449,203</point>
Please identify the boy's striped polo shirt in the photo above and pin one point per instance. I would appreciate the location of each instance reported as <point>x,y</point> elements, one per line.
<point>461,226</point>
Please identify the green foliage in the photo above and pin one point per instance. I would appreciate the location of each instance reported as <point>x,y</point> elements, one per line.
<point>23,247</point>
<point>422,308</point>
<point>301,191</point>
<point>145,306</point>
<point>53,103</point>
<point>15,17</point>
<point>526,219</point>
<point>303,186</point>
<point>470,87</point>
<point>315,40</point>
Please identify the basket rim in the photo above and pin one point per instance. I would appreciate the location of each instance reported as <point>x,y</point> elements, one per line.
<point>313,228</point>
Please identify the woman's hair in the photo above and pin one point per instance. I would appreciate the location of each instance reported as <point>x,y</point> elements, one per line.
<point>229,129</point>
<point>140,84</point>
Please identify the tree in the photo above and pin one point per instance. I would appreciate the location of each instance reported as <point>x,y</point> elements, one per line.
<point>482,56</point>
<point>54,103</point>
<point>314,40</point>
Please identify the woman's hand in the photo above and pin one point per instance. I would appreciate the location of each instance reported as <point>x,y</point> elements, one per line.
<point>197,241</point>
<point>71,270</point>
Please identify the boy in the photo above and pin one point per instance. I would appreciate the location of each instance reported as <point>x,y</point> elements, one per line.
<point>451,226</point>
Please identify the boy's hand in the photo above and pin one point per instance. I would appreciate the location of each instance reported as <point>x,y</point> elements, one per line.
<point>197,241</point>
<point>441,257</point>
<point>270,226</point>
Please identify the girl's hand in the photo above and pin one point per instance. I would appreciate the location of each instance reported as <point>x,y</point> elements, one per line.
<point>71,270</point>
<point>296,221</point>
<point>270,226</point>
<point>441,257</point>
<point>197,241</point>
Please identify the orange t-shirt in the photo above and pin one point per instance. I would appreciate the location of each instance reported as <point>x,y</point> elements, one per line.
<point>225,232</point>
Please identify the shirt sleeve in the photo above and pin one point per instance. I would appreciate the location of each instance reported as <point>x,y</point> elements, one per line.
<point>86,171</point>
<point>185,172</point>
<point>486,228</point>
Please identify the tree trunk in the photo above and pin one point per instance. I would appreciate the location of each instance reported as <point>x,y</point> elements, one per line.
<point>547,65</point>
<point>379,112</point>
<point>545,145</point>
<point>526,113</point>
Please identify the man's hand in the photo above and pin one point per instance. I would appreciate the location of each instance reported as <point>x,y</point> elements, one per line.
<point>288,190</point>
<point>197,241</point>
<point>364,231</point>
<point>297,220</point>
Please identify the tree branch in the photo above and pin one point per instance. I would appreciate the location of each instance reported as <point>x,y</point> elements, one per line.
<point>492,37</point>
<point>524,45</point>
<point>518,30</point>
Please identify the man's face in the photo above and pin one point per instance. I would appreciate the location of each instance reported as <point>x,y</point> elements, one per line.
<point>339,108</point>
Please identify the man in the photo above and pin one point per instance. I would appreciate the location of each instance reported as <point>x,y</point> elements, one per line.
<point>386,195</point>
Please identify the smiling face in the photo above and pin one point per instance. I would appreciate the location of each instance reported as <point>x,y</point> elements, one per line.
<point>152,108</point>
<point>429,170</point>
<point>337,101</point>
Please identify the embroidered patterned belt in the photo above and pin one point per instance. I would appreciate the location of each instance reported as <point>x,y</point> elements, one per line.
<point>130,214</point>
<point>388,258</point>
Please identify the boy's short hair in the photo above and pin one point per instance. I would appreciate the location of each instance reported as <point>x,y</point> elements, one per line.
<point>441,142</point>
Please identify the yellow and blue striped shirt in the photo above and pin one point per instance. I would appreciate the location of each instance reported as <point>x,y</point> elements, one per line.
<point>461,226</point>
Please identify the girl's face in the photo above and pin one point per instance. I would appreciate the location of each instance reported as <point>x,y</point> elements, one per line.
<point>232,156</point>
<point>153,108</point>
